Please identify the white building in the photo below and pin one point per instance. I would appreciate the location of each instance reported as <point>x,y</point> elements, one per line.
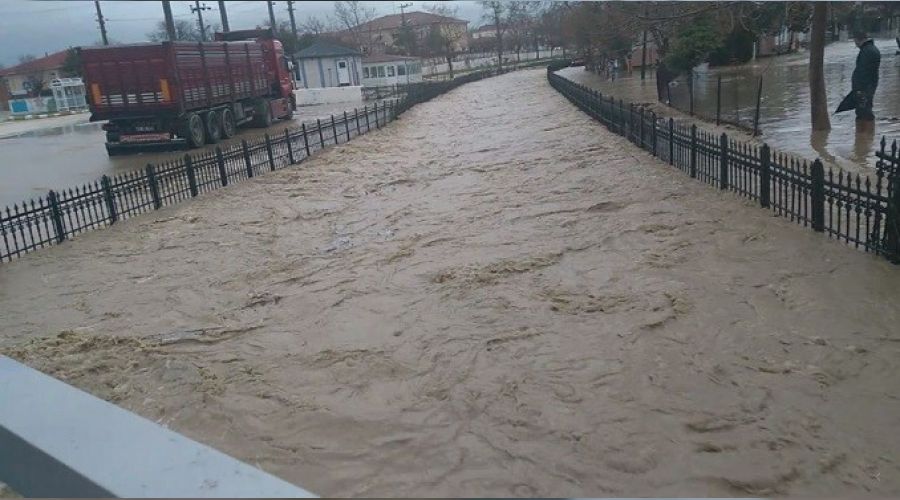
<point>385,70</point>
<point>327,64</point>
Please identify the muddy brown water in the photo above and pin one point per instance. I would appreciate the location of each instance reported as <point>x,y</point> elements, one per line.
<point>492,296</point>
<point>63,157</point>
<point>784,112</point>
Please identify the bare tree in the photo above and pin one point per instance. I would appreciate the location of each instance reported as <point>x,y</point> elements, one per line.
<point>351,15</point>
<point>493,12</point>
<point>24,58</point>
<point>313,25</point>
<point>444,40</point>
<point>184,30</point>
<point>817,96</point>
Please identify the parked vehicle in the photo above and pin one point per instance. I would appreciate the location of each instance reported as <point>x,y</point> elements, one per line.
<point>187,94</point>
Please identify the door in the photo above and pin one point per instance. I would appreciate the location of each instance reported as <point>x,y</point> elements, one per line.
<point>343,73</point>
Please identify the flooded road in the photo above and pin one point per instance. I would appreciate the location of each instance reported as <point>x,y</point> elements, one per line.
<point>784,112</point>
<point>34,162</point>
<point>491,296</point>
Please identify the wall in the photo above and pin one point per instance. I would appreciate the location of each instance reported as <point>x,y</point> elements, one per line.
<point>328,95</point>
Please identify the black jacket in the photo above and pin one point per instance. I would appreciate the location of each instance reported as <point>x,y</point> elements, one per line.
<point>865,75</point>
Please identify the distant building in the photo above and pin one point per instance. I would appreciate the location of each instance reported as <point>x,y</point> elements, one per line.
<point>327,64</point>
<point>31,78</point>
<point>486,31</point>
<point>383,70</point>
<point>637,54</point>
<point>380,35</point>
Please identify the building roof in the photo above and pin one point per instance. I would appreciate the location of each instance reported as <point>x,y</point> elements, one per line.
<point>324,48</point>
<point>382,58</point>
<point>485,28</point>
<point>415,18</point>
<point>46,63</point>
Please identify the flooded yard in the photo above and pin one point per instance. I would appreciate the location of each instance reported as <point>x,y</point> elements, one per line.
<point>491,296</point>
<point>784,120</point>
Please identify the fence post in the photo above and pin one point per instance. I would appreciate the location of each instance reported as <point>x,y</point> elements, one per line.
<point>642,127</point>
<point>247,161</point>
<point>765,175</point>
<point>347,126</point>
<point>321,137</point>
<point>154,186</point>
<point>366,112</point>
<point>192,178</point>
<point>305,138</point>
<point>269,152</point>
<point>356,117</point>
<point>220,160</point>
<point>377,125</point>
<point>758,103</point>
<point>110,199</point>
<point>653,132</point>
<point>693,151</point>
<point>334,130</point>
<point>817,195</point>
<point>57,216</point>
<point>287,139</point>
<point>718,100</point>
<point>671,141</point>
<point>723,161</point>
<point>892,221</point>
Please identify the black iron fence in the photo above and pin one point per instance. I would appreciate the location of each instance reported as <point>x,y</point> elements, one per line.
<point>861,210</point>
<point>63,214</point>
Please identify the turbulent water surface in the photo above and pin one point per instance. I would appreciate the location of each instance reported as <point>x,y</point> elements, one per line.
<point>492,296</point>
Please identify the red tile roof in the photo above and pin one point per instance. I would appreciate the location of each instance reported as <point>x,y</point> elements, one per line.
<point>415,18</point>
<point>46,63</point>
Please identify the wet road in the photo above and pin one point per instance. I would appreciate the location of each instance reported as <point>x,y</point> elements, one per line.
<point>63,157</point>
<point>488,297</point>
<point>784,113</point>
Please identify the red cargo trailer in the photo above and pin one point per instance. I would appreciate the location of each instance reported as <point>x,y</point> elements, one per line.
<point>186,93</point>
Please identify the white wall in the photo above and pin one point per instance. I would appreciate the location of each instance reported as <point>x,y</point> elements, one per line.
<point>328,95</point>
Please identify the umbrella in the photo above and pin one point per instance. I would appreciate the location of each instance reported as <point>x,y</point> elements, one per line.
<point>847,104</point>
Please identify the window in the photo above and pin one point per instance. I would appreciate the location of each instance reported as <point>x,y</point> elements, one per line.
<point>365,72</point>
<point>390,70</point>
<point>380,71</point>
<point>401,69</point>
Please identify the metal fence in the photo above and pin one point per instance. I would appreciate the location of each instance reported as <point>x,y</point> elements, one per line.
<point>734,99</point>
<point>60,215</point>
<point>863,211</point>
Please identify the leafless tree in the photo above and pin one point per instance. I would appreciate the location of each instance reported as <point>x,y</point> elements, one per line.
<point>444,40</point>
<point>313,25</point>
<point>494,11</point>
<point>351,15</point>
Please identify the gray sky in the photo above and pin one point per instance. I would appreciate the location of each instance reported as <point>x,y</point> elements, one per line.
<point>40,26</point>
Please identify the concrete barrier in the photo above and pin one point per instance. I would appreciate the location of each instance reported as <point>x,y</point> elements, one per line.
<point>328,95</point>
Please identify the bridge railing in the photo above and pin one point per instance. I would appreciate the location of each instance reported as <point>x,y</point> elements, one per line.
<point>861,210</point>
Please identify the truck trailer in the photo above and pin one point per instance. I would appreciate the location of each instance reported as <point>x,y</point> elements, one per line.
<point>173,95</point>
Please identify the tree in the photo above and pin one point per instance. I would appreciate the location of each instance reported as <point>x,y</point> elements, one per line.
<point>313,25</point>
<point>351,15</point>
<point>443,40</point>
<point>72,65</point>
<point>817,95</point>
<point>184,31</point>
<point>493,12</point>
<point>24,58</point>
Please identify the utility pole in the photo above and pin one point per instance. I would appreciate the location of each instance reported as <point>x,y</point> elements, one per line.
<point>170,21</point>
<point>224,15</point>
<point>199,10</point>
<point>405,31</point>
<point>271,15</point>
<point>644,51</point>
<point>102,23</point>
<point>293,21</point>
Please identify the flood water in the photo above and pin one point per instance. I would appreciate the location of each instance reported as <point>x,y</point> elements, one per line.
<point>63,157</point>
<point>784,120</point>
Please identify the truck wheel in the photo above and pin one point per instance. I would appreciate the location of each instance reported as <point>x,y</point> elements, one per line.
<point>196,130</point>
<point>263,117</point>
<point>228,126</point>
<point>213,127</point>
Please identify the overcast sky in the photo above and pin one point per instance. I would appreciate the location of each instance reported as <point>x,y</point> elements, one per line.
<point>41,26</point>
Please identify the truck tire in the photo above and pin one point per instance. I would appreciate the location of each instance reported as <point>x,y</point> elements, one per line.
<point>229,128</point>
<point>195,130</point>
<point>213,127</point>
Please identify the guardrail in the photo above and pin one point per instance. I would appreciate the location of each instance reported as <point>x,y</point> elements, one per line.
<point>859,210</point>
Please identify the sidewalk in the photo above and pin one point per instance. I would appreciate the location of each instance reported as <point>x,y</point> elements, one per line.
<point>16,127</point>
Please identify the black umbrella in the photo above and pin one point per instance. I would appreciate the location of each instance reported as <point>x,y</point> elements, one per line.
<point>847,104</point>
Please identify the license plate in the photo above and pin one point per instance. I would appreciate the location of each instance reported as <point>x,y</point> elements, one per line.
<point>144,138</point>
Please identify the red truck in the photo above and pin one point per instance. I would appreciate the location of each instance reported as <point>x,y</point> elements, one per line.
<point>186,94</point>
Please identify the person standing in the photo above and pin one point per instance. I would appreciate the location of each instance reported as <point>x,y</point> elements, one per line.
<point>865,81</point>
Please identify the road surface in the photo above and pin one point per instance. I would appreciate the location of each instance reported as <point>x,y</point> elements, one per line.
<point>492,296</point>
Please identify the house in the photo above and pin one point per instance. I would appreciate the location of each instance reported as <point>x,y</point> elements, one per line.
<point>380,35</point>
<point>486,31</point>
<point>384,70</point>
<point>32,78</point>
<point>327,64</point>
<point>637,54</point>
